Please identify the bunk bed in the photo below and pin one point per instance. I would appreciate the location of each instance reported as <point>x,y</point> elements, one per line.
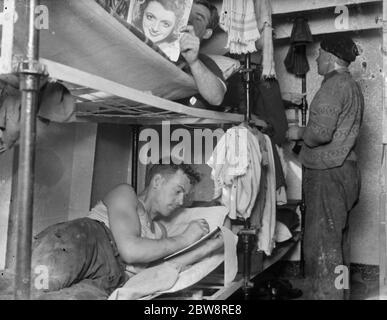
<point>119,90</point>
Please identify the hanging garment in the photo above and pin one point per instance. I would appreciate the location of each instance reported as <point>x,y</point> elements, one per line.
<point>266,234</point>
<point>9,122</point>
<point>269,106</point>
<point>259,206</point>
<point>279,173</point>
<point>263,12</point>
<point>55,104</point>
<point>236,170</point>
<point>238,20</point>
<point>267,102</point>
<point>268,64</point>
<point>296,61</point>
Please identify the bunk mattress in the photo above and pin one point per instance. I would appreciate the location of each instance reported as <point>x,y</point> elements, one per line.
<point>82,35</point>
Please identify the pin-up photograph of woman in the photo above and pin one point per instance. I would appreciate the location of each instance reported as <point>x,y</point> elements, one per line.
<point>161,22</point>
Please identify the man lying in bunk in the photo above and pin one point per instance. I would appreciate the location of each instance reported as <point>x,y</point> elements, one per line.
<point>209,78</point>
<point>88,258</point>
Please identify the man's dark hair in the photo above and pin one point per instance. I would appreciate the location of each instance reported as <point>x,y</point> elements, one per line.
<point>214,19</point>
<point>169,169</point>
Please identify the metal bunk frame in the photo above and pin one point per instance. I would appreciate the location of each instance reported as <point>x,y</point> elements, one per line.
<point>99,99</point>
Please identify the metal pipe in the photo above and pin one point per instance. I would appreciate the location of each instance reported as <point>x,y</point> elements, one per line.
<point>248,86</point>
<point>304,101</point>
<point>29,86</point>
<point>135,136</point>
<point>383,193</point>
<point>303,204</point>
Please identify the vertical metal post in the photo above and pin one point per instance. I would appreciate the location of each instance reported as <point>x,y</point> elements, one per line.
<point>383,173</point>
<point>135,136</point>
<point>248,86</point>
<point>303,205</point>
<point>29,86</point>
<point>304,101</point>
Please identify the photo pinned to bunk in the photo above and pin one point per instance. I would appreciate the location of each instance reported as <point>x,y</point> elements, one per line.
<point>161,21</point>
<point>195,244</point>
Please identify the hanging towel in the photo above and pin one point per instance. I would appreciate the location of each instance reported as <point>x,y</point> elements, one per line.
<point>266,234</point>
<point>238,19</point>
<point>236,170</point>
<point>263,12</point>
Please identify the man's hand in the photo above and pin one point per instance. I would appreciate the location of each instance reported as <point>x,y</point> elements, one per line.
<point>189,45</point>
<point>195,230</point>
<point>215,243</point>
<point>295,133</point>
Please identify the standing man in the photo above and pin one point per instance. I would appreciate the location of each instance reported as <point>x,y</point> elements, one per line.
<point>332,178</point>
<point>208,77</point>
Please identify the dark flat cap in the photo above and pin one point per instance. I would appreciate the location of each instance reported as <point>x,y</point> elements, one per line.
<point>341,45</point>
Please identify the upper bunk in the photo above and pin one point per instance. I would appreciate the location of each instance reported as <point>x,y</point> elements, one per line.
<point>113,75</point>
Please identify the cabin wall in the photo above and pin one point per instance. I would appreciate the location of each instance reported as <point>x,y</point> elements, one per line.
<point>112,164</point>
<point>6,160</point>
<point>64,153</point>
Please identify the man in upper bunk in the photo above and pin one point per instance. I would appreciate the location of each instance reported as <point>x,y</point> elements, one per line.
<point>331,179</point>
<point>209,79</point>
<point>88,258</point>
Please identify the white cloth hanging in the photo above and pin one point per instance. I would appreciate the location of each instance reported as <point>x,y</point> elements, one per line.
<point>266,234</point>
<point>238,19</point>
<point>236,171</point>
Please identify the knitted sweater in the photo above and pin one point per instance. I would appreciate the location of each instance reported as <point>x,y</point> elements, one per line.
<point>335,117</point>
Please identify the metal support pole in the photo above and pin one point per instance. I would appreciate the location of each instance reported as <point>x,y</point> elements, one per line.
<point>30,72</point>
<point>247,80</point>
<point>247,235</point>
<point>303,206</point>
<point>304,102</point>
<point>135,136</point>
<point>383,173</point>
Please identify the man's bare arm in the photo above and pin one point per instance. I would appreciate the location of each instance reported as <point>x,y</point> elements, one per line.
<point>125,226</point>
<point>209,85</point>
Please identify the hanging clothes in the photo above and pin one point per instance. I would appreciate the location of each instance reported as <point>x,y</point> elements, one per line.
<point>238,20</point>
<point>266,234</point>
<point>236,170</point>
<point>269,106</point>
<point>263,11</point>
<point>55,104</point>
